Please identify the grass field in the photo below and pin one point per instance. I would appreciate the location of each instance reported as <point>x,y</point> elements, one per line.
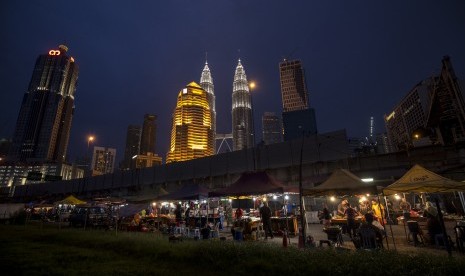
<point>36,250</point>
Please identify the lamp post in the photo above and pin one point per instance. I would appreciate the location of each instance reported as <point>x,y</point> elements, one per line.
<point>301,198</point>
<point>90,139</point>
<point>252,86</point>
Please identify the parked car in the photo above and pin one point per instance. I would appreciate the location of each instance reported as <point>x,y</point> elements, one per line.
<point>93,216</point>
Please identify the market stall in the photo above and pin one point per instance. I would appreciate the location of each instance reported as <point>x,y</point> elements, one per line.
<point>421,180</point>
<point>256,184</point>
<point>342,183</point>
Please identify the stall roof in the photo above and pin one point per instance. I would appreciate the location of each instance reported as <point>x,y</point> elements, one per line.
<point>70,200</point>
<point>189,191</point>
<point>421,180</point>
<point>253,183</point>
<point>341,182</point>
<point>147,195</point>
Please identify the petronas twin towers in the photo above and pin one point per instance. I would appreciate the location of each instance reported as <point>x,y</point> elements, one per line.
<point>194,122</point>
<point>242,119</point>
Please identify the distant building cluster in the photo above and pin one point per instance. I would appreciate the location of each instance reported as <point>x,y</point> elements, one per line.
<point>433,112</point>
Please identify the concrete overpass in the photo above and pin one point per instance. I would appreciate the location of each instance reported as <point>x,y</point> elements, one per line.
<point>320,155</point>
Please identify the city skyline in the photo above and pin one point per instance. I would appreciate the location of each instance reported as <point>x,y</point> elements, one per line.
<point>136,63</point>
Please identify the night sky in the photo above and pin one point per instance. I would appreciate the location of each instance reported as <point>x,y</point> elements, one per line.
<point>361,57</point>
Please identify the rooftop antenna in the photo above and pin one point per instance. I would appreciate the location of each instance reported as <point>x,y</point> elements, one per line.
<point>206,57</point>
<point>290,54</point>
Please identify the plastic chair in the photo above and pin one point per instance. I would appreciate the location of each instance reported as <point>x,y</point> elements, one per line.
<point>460,237</point>
<point>415,234</point>
<point>215,232</point>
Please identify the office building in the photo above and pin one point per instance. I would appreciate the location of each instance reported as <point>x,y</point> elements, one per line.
<point>242,119</point>
<point>298,118</point>
<point>192,133</point>
<point>433,112</point>
<point>148,137</point>
<point>14,174</point>
<point>44,122</point>
<point>271,128</point>
<point>132,148</point>
<point>144,161</point>
<point>103,160</point>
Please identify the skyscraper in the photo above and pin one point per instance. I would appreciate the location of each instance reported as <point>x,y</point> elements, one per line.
<point>298,117</point>
<point>242,121</point>
<point>192,133</point>
<point>433,112</point>
<point>272,128</point>
<point>103,160</point>
<point>132,145</point>
<point>206,82</point>
<point>44,122</point>
<point>148,137</point>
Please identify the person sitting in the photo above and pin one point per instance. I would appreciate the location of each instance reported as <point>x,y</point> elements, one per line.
<point>326,216</point>
<point>369,218</point>
<point>239,213</point>
<point>205,232</point>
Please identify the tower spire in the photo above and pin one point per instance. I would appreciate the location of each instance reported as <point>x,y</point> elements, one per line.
<point>242,126</point>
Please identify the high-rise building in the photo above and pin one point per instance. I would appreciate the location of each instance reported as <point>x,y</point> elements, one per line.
<point>293,86</point>
<point>206,82</point>
<point>44,122</point>
<point>148,137</point>
<point>272,128</point>
<point>433,112</point>
<point>132,146</point>
<point>242,119</point>
<point>298,117</point>
<point>192,133</point>
<point>103,160</point>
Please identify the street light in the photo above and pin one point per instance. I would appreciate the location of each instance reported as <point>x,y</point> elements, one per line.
<point>90,139</point>
<point>252,86</point>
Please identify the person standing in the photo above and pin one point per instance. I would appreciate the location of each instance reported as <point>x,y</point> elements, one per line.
<point>405,207</point>
<point>350,214</point>
<point>378,211</point>
<point>265,213</point>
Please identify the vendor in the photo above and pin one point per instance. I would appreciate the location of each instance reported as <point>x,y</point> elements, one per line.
<point>378,210</point>
<point>342,207</point>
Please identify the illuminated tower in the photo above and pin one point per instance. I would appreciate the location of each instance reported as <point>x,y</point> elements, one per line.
<point>192,131</point>
<point>206,81</point>
<point>242,124</point>
<point>44,121</point>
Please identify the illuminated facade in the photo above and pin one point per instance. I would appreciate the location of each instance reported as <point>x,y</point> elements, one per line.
<point>206,82</point>
<point>44,122</point>
<point>146,160</point>
<point>103,160</point>
<point>242,121</point>
<point>433,112</point>
<point>192,131</point>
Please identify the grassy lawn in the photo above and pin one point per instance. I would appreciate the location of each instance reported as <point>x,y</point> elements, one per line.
<point>33,250</point>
